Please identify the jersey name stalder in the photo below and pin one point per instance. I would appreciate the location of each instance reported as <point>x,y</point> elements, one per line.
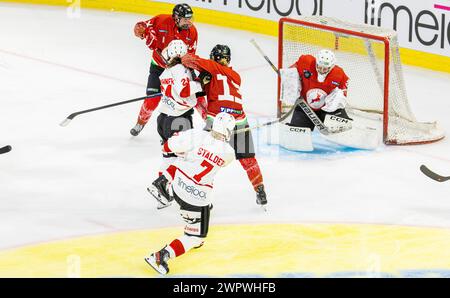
<point>202,156</point>
<point>178,89</point>
<point>313,90</point>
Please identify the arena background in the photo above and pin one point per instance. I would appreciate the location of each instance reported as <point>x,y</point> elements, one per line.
<point>73,200</point>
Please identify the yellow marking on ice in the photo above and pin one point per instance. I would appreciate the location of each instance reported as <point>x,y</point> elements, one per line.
<point>255,250</point>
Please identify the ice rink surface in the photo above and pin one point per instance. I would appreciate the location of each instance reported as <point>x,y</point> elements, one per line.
<point>90,177</point>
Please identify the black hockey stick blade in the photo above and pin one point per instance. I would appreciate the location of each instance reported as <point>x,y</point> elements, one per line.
<point>5,149</point>
<point>433,175</point>
<point>73,115</point>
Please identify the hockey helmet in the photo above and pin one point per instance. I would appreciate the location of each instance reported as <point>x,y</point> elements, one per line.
<point>182,11</point>
<point>325,61</point>
<point>220,52</point>
<point>224,124</point>
<point>176,48</point>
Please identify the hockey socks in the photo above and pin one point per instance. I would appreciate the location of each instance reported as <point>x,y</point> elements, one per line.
<point>183,244</point>
<point>251,166</point>
<point>147,109</point>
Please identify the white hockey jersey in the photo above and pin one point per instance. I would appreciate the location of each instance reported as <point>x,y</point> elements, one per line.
<point>178,89</point>
<point>200,158</point>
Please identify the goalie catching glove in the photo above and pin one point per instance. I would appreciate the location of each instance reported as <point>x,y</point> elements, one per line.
<point>335,100</point>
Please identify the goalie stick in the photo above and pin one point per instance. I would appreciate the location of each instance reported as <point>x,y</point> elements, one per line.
<point>305,107</point>
<point>73,115</point>
<point>433,175</point>
<point>5,149</point>
<point>282,118</point>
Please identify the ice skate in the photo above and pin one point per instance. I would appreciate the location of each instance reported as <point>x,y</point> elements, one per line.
<point>158,190</point>
<point>261,197</point>
<point>136,129</point>
<point>158,261</point>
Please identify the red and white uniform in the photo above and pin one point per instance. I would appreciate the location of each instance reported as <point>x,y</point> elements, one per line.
<point>222,92</point>
<point>312,89</point>
<point>202,157</point>
<point>162,29</point>
<point>178,89</point>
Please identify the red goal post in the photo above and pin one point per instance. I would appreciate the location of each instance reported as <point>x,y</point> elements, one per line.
<point>370,57</point>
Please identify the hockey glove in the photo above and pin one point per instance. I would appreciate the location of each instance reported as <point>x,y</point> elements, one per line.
<point>190,61</point>
<point>140,30</point>
<point>204,78</point>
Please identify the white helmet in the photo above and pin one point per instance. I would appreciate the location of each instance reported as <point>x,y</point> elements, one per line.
<point>325,61</point>
<point>176,48</point>
<point>224,124</point>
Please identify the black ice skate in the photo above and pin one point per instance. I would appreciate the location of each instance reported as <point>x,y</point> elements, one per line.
<point>159,191</point>
<point>158,261</point>
<point>261,198</point>
<point>136,129</point>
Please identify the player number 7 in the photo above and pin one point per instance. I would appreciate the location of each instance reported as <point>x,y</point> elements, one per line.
<point>208,169</point>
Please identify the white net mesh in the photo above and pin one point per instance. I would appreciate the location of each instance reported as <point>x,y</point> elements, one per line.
<point>363,60</point>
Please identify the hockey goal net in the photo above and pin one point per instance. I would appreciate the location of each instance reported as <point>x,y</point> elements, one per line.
<point>370,57</point>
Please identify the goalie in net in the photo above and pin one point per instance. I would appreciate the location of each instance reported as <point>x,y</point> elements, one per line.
<point>377,98</point>
<point>323,85</point>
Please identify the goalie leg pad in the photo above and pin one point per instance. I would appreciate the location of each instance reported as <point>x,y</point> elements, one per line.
<point>360,137</point>
<point>336,123</point>
<point>295,138</point>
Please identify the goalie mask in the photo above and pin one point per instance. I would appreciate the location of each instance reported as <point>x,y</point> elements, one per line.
<point>219,53</point>
<point>176,48</point>
<point>224,124</point>
<point>325,61</point>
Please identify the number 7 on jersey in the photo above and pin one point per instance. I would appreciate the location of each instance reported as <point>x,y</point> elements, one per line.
<point>208,168</point>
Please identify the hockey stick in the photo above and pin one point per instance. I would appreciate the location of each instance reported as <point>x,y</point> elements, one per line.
<point>253,42</point>
<point>73,115</point>
<point>325,130</point>
<point>305,107</point>
<point>5,149</point>
<point>433,175</point>
<point>282,118</point>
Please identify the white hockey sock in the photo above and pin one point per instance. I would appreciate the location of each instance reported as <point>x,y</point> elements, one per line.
<point>183,244</point>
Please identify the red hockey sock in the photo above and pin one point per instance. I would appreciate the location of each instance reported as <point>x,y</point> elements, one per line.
<point>178,247</point>
<point>147,109</point>
<point>251,166</point>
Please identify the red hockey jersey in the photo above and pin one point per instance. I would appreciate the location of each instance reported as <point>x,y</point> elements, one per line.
<point>166,30</point>
<point>223,91</point>
<point>313,90</point>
